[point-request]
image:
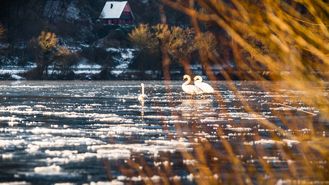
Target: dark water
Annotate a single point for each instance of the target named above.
(84, 132)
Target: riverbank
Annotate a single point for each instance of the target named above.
(97, 72)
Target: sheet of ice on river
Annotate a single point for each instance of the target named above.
(73, 122)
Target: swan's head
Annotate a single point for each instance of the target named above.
(197, 79)
(142, 85)
(186, 77)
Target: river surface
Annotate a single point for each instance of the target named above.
(87, 132)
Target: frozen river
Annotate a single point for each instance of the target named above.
(93, 132)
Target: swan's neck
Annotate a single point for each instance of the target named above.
(187, 81)
(142, 89)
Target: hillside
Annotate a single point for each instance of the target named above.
(76, 25)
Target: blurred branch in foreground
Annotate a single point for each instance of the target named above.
(289, 38)
(285, 38)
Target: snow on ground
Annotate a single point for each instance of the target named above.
(12, 71)
(15, 183)
(72, 12)
(87, 68)
(126, 56)
(17, 77)
(122, 63)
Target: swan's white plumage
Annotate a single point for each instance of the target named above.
(142, 96)
(206, 88)
(190, 89)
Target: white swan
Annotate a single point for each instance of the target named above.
(206, 88)
(190, 89)
(142, 96)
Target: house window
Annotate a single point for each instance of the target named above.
(115, 21)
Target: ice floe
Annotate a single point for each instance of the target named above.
(113, 182)
(7, 156)
(5, 143)
(268, 142)
(48, 170)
